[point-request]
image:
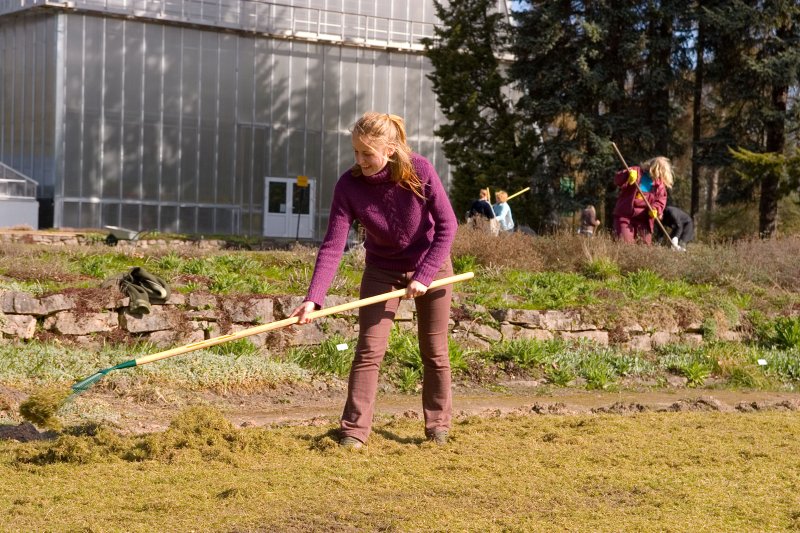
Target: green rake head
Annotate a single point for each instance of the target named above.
(42, 407)
(83, 385)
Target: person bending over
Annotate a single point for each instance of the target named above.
(589, 221)
(632, 218)
(680, 226)
(481, 206)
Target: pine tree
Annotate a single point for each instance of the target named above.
(756, 63)
(483, 137)
(780, 169)
(595, 72)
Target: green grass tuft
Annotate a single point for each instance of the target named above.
(326, 358)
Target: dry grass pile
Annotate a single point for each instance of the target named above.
(198, 433)
(528, 472)
(41, 408)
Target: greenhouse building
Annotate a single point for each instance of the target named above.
(215, 117)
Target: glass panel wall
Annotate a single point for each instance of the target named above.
(174, 127)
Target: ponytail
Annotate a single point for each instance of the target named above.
(390, 130)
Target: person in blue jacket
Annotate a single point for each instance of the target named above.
(502, 211)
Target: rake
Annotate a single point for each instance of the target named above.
(84, 384)
(647, 203)
(526, 189)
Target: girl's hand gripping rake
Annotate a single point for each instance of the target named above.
(83, 385)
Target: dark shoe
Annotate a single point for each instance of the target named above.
(439, 436)
(351, 443)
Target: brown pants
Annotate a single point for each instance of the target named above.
(629, 229)
(375, 323)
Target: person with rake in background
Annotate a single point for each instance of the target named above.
(641, 186)
(502, 211)
(481, 214)
(399, 200)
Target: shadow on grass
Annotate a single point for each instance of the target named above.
(388, 435)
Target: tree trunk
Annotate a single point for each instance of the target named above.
(776, 140)
(776, 137)
(712, 189)
(659, 63)
(696, 115)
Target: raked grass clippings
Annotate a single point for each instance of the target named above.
(686, 471)
(41, 408)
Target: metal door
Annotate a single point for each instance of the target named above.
(289, 209)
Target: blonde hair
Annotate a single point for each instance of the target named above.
(501, 196)
(484, 194)
(389, 130)
(660, 169)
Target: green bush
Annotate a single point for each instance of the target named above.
(693, 363)
(787, 332)
(102, 266)
(407, 379)
(784, 364)
(560, 375)
(403, 349)
(325, 358)
(598, 372)
(601, 268)
(627, 364)
(749, 377)
(551, 290)
(236, 348)
(781, 332)
(458, 357)
(695, 372)
(464, 263)
(526, 353)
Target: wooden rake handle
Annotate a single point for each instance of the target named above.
(199, 345)
(639, 190)
(526, 189)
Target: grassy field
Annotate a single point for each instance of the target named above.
(649, 471)
(666, 471)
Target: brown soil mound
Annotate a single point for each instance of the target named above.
(25, 432)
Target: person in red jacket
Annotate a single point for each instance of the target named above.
(632, 218)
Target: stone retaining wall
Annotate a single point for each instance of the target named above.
(75, 238)
(94, 315)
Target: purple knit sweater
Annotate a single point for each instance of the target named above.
(404, 233)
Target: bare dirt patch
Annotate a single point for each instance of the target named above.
(321, 404)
